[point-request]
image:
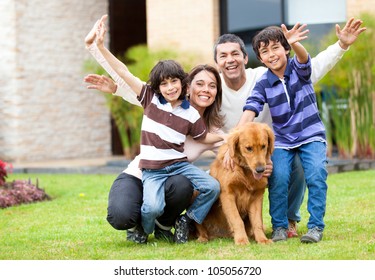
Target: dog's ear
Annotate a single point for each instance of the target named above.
(271, 140)
(233, 142)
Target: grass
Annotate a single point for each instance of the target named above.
(72, 226)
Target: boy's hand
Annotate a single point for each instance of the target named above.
(296, 34)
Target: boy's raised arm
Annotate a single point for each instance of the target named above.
(294, 36)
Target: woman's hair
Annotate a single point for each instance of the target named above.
(166, 69)
(230, 38)
(211, 115)
(271, 33)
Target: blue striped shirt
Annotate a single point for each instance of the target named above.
(293, 106)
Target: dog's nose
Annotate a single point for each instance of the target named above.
(260, 169)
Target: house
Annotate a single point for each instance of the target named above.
(45, 109)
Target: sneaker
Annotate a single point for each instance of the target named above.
(137, 235)
(181, 233)
(292, 229)
(163, 234)
(313, 235)
(279, 234)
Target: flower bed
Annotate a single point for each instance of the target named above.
(18, 191)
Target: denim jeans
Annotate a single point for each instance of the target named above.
(153, 192)
(297, 188)
(313, 159)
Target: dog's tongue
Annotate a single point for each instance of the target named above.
(257, 176)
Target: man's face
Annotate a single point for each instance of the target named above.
(230, 60)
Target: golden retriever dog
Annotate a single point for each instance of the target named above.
(238, 211)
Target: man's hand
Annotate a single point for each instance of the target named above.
(228, 161)
(101, 83)
(269, 167)
(349, 34)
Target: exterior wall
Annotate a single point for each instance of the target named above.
(356, 7)
(46, 113)
(45, 109)
(187, 25)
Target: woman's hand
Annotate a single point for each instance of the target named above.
(90, 37)
(100, 31)
(101, 82)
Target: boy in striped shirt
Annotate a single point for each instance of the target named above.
(168, 118)
(287, 89)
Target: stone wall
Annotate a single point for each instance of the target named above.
(46, 112)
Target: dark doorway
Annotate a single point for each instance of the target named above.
(127, 24)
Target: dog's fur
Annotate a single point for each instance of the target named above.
(238, 211)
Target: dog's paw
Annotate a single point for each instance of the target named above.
(264, 241)
(202, 239)
(241, 241)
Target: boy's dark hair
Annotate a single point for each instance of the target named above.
(230, 38)
(270, 33)
(166, 69)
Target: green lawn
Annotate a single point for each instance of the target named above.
(72, 226)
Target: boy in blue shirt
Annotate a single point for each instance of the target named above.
(288, 90)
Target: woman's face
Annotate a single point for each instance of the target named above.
(203, 90)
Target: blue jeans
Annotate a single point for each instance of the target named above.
(153, 192)
(296, 192)
(313, 159)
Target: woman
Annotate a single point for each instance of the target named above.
(125, 197)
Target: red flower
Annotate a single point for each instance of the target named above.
(4, 169)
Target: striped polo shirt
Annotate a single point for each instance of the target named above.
(164, 130)
(293, 106)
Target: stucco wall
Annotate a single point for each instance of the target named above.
(46, 111)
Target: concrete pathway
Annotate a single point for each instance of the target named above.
(116, 164)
